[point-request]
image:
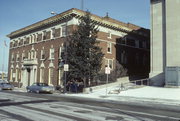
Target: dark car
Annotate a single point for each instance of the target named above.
(40, 87)
(6, 86)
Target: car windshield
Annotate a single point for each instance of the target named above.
(6, 83)
(43, 84)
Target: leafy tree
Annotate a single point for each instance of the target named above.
(84, 54)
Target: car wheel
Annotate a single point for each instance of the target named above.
(28, 90)
(37, 91)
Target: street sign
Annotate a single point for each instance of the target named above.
(66, 67)
(107, 70)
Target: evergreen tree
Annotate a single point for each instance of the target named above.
(84, 54)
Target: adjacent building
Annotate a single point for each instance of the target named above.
(165, 28)
(36, 50)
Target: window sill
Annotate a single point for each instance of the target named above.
(51, 59)
(109, 52)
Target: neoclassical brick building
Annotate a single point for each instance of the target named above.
(35, 50)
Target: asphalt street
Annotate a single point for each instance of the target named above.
(22, 106)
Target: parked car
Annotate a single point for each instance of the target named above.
(6, 86)
(40, 87)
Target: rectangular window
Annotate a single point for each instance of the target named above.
(43, 54)
(44, 35)
(23, 56)
(137, 43)
(51, 53)
(34, 38)
(17, 74)
(29, 55)
(32, 55)
(57, 32)
(17, 58)
(48, 35)
(11, 75)
(144, 44)
(109, 47)
(39, 37)
(61, 52)
(50, 75)
(123, 40)
(21, 42)
(12, 57)
(42, 75)
(63, 30)
(52, 33)
(109, 63)
(27, 40)
(123, 57)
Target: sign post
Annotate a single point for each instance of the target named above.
(107, 71)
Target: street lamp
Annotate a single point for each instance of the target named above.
(53, 13)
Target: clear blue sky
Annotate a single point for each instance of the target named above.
(16, 14)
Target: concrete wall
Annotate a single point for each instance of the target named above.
(118, 82)
(173, 32)
(165, 39)
(157, 42)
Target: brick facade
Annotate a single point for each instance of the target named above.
(27, 64)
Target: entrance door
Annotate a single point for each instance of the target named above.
(29, 75)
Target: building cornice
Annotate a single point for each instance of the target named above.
(104, 21)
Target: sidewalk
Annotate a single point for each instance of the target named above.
(22, 89)
(146, 94)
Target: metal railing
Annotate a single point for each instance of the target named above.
(134, 84)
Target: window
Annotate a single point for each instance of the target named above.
(12, 57)
(23, 56)
(123, 40)
(137, 43)
(17, 74)
(52, 33)
(42, 75)
(51, 53)
(29, 55)
(109, 63)
(57, 32)
(35, 39)
(24, 40)
(17, 57)
(63, 30)
(144, 44)
(43, 54)
(109, 35)
(48, 35)
(27, 40)
(61, 52)
(44, 35)
(31, 39)
(50, 75)
(32, 54)
(123, 57)
(11, 75)
(39, 37)
(109, 47)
